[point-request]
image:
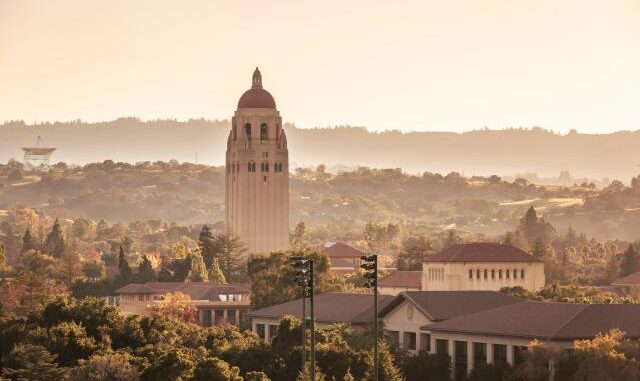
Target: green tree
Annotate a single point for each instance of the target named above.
(630, 261)
(209, 246)
(387, 369)
(197, 271)
(55, 244)
(215, 273)
(214, 369)
(174, 365)
(300, 237)
(112, 366)
(69, 267)
(94, 270)
(32, 362)
(28, 241)
(145, 271)
(414, 252)
(232, 256)
(123, 267)
(69, 341)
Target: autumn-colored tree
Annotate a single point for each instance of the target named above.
(215, 273)
(198, 271)
(176, 306)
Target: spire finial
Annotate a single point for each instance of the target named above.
(257, 78)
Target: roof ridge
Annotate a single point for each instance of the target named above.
(584, 307)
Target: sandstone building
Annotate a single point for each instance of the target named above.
(257, 173)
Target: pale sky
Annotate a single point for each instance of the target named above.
(409, 65)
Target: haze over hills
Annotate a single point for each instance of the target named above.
(480, 152)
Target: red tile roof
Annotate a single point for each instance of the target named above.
(196, 290)
(330, 307)
(546, 321)
(442, 305)
(340, 250)
(410, 279)
(482, 252)
(629, 280)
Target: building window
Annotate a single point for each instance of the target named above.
(273, 331)
(260, 331)
(493, 274)
(442, 347)
(479, 353)
(519, 354)
(393, 337)
(485, 274)
(499, 354)
(522, 274)
(206, 318)
(460, 364)
(218, 317)
(478, 274)
(470, 274)
(499, 274)
(409, 341)
(507, 271)
(265, 166)
(425, 342)
(247, 130)
(515, 274)
(231, 316)
(264, 132)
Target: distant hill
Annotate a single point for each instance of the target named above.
(482, 152)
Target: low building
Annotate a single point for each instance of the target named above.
(502, 334)
(627, 284)
(345, 259)
(330, 308)
(215, 303)
(400, 281)
(482, 266)
(404, 316)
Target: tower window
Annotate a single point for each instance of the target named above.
(264, 132)
(247, 130)
(265, 167)
(251, 166)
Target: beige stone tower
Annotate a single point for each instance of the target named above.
(257, 173)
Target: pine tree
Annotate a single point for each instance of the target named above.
(630, 261)
(197, 271)
(215, 273)
(32, 362)
(123, 266)
(208, 245)
(55, 242)
(231, 256)
(145, 271)
(28, 242)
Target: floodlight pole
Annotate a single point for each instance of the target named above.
(313, 322)
(375, 320)
(304, 328)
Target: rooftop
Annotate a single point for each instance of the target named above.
(330, 307)
(629, 280)
(546, 321)
(340, 250)
(411, 279)
(195, 290)
(442, 305)
(256, 96)
(482, 252)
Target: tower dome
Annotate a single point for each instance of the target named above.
(256, 96)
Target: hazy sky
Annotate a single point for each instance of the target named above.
(411, 65)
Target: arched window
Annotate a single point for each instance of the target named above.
(249, 167)
(506, 272)
(515, 274)
(478, 274)
(265, 166)
(247, 130)
(264, 132)
(522, 274)
(499, 274)
(485, 274)
(493, 274)
(253, 167)
(470, 274)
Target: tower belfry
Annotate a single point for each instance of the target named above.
(257, 172)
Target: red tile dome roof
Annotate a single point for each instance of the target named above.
(256, 96)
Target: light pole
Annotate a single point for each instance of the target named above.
(303, 276)
(370, 273)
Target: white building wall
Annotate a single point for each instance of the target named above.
(455, 276)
